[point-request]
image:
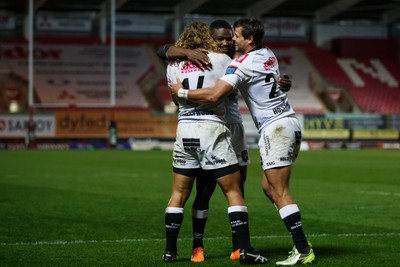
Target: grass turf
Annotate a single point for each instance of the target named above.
(106, 208)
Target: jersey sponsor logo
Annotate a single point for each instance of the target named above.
(198, 113)
(189, 67)
(230, 70)
(281, 108)
(191, 144)
(270, 63)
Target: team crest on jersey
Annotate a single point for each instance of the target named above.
(270, 63)
(230, 70)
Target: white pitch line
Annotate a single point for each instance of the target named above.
(133, 240)
(381, 193)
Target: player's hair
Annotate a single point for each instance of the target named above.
(252, 27)
(197, 35)
(220, 23)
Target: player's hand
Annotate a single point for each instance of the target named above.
(285, 83)
(199, 57)
(174, 87)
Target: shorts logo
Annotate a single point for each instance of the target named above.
(267, 144)
(215, 161)
(230, 70)
(180, 161)
(288, 158)
(191, 144)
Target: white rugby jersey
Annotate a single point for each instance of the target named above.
(255, 74)
(193, 77)
(232, 114)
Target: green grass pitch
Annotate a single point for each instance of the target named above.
(106, 208)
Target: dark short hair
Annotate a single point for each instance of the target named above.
(220, 23)
(252, 27)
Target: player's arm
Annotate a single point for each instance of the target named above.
(197, 56)
(174, 99)
(202, 95)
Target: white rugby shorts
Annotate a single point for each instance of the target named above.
(280, 142)
(203, 144)
(239, 143)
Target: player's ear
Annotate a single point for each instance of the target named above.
(250, 39)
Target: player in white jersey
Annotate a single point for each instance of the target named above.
(255, 74)
(222, 33)
(203, 144)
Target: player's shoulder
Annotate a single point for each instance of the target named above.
(219, 60)
(268, 50)
(218, 56)
(271, 62)
(244, 61)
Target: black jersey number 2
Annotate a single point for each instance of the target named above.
(270, 78)
(185, 84)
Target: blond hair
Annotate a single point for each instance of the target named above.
(196, 35)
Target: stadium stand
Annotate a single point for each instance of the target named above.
(334, 77)
(370, 78)
(302, 97)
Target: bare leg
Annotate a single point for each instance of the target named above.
(275, 184)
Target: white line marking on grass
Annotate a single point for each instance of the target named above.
(381, 193)
(133, 240)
